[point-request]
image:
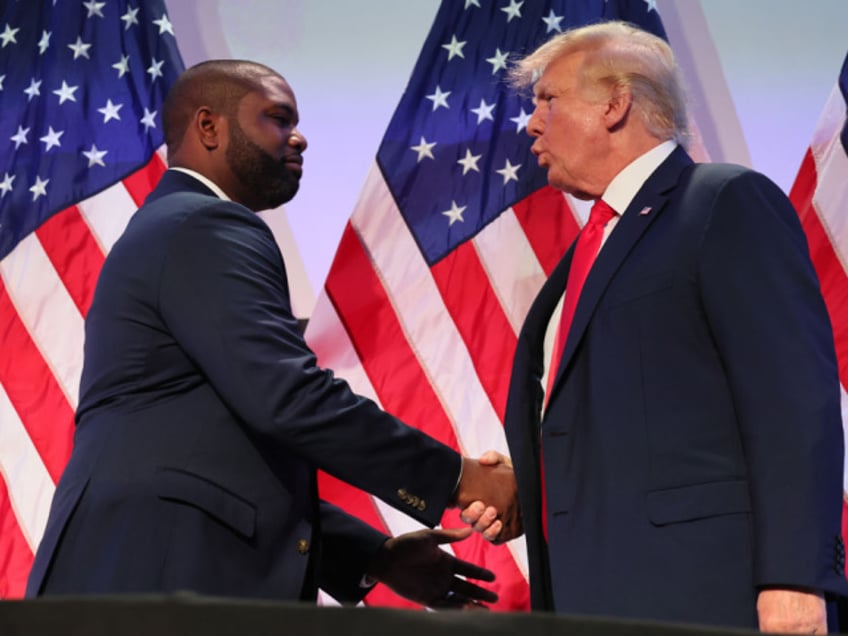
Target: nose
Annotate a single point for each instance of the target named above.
(535, 127)
(297, 140)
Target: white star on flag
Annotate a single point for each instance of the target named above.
(164, 25)
(155, 69)
(129, 18)
(8, 35)
(148, 120)
(20, 137)
(483, 111)
(122, 65)
(455, 213)
(110, 111)
(6, 184)
(521, 120)
(498, 61)
(39, 188)
(509, 172)
(469, 162)
(552, 22)
(80, 48)
(95, 156)
(51, 138)
(469, 3)
(66, 93)
(424, 149)
(439, 98)
(454, 48)
(44, 42)
(33, 90)
(94, 8)
(513, 10)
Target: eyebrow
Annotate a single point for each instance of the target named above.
(541, 89)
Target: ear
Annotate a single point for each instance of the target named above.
(618, 107)
(210, 127)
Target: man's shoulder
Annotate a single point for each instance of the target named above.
(713, 179)
(733, 180)
(176, 206)
(719, 171)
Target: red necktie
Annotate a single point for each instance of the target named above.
(585, 251)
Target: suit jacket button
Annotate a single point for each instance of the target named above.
(422, 505)
(402, 494)
(303, 546)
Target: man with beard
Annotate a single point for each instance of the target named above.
(203, 415)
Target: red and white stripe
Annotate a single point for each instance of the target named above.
(46, 286)
(820, 195)
(434, 345)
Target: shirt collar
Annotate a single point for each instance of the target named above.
(205, 181)
(623, 188)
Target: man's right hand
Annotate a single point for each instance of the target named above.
(488, 496)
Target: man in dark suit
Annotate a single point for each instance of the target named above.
(681, 458)
(203, 416)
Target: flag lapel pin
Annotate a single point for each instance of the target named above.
(645, 211)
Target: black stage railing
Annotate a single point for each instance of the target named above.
(187, 615)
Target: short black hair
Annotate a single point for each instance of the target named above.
(218, 84)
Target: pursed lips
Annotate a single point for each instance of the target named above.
(539, 155)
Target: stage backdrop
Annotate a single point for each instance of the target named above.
(759, 76)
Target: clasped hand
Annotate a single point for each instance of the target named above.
(488, 497)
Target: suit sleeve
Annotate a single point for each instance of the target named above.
(762, 301)
(348, 546)
(224, 296)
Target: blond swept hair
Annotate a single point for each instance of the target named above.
(619, 54)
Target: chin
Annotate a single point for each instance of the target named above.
(270, 200)
(279, 192)
(568, 188)
(559, 184)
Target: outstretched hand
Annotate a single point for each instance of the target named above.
(483, 514)
(414, 566)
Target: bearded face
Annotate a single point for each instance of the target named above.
(267, 181)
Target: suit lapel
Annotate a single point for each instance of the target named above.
(645, 208)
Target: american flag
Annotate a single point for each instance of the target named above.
(820, 195)
(453, 235)
(81, 90)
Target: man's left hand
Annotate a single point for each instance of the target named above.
(785, 611)
(414, 566)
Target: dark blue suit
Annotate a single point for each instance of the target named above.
(202, 419)
(692, 444)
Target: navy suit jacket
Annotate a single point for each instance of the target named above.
(692, 444)
(202, 420)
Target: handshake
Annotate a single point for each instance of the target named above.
(488, 496)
